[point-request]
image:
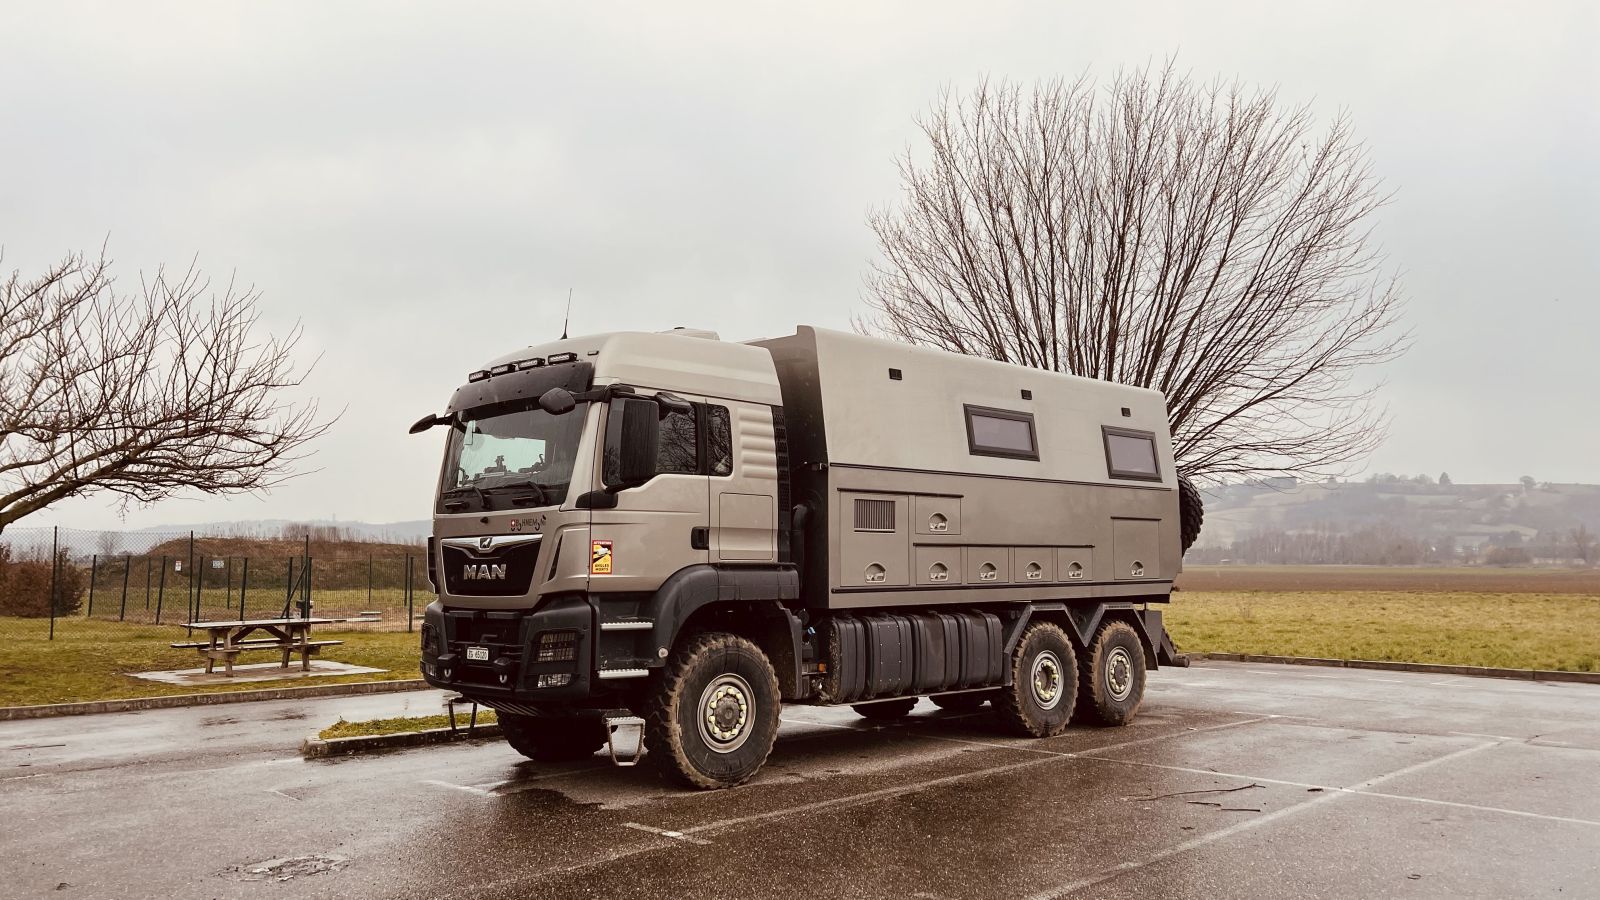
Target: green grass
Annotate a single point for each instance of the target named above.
(1510, 630)
(91, 660)
(343, 729)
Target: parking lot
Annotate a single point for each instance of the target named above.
(1236, 780)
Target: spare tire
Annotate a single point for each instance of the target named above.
(1191, 511)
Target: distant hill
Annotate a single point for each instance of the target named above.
(1445, 520)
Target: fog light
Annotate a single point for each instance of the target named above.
(557, 646)
(562, 680)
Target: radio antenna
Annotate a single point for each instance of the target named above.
(568, 317)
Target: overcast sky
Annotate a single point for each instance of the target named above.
(421, 185)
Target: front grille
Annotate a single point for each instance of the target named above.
(506, 572)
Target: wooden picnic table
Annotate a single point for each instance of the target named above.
(226, 640)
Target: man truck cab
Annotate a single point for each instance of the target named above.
(674, 533)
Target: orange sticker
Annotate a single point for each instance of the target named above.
(600, 558)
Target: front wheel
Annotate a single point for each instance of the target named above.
(712, 714)
(1044, 683)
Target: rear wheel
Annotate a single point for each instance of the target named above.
(1044, 683)
(1111, 679)
(712, 714)
(552, 738)
(888, 709)
(960, 703)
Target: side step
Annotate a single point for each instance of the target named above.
(625, 739)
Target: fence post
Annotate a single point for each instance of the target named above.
(161, 591)
(127, 569)
(190, 598)
(94, 569)
(147, 582)
(305, 603)
(244, 579)
(369, 581)
(410, 568)
(55, 567)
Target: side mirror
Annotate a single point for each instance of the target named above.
(557, 401)
(638, 441)
(426, 422)
(671, 403)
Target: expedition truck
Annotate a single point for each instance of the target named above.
(655, 540)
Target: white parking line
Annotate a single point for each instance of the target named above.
(1123, 868)
(675, 835)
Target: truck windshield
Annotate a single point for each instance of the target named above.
(509, 456)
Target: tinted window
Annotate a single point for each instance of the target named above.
(1131, 454)
(719, 440)
(679, 453)
(1000, 432)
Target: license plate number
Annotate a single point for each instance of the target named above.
(481, 654)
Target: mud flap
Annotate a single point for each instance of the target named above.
(1166, 651)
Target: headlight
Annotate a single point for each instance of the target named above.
(557, 646)
(430, 637)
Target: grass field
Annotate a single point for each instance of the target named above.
(1515, 618)
(90, 660)
(1513, 630)
(343, 729)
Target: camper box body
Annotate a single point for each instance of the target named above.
(904, 504)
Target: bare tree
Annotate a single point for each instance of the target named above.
(1195, 238)
(141, 395)
(1584, 544)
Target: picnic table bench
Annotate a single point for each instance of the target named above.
(226, 640)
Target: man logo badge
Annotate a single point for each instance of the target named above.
(484, 572)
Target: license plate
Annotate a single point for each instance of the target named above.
(481, 654)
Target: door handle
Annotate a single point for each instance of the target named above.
(700, 538)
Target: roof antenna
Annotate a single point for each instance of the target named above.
(568, 317)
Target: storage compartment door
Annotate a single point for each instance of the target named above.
(1033, 565)
(1073, 564)
(874, 540)
(1136, 549)
(938, 565)
(936, 515)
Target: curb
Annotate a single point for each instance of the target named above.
(314, 747)
(1430, 668)
(93, 707)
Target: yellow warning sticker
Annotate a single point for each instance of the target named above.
(600, 558)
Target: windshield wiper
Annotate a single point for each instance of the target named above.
(483, 501)
(524, 483)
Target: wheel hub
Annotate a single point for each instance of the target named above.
(724, 713)
(1119, 674)
(1046, 680)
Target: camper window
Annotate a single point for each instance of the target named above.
(1131, 454)
(1000, 432)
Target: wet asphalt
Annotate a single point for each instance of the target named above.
(1235, 781)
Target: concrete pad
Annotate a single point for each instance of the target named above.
(271, 671)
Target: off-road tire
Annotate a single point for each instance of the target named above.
(1111, 676)
(1191, 512)
(681, 746)
(888, 709)
(1044, 683)
(960, 703)
(552, 738)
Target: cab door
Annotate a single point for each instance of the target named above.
(658, 527)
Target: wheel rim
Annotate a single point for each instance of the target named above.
(726, 709)
(1119, 674)
(1046, 679)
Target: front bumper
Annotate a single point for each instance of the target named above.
(494, 654)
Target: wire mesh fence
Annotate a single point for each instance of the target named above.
(54, 578)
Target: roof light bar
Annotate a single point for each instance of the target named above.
(480, 375)
(563, 358)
